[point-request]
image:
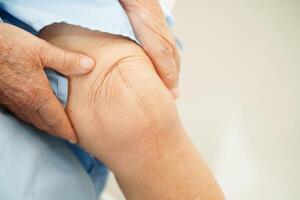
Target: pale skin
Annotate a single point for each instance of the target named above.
(124, 115)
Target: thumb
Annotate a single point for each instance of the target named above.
(52, 117)
(65, 62)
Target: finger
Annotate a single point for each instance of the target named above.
(30, 117)
(65, 62)
(165, 59)
(52, 113)
(153, 33)
(35, 119)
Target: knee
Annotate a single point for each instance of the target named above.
(122, 108)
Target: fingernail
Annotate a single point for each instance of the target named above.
(72, 141)
(175, 92)
(86, 63)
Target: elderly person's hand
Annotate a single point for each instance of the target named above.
(24, 88)
(152, 31)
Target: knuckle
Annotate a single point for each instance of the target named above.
(51, 119)
(53, 122)
(170, 75)
(47, 53)
(34, 98)
(64, 58)
(167, 45)
(168, 50)
(42, 52)
(22, 98)
(165, 50)
(31, 98)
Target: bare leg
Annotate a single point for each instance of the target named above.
(124, 115)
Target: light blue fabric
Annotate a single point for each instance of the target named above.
(92, 173)
(103, 15)
(36, 166)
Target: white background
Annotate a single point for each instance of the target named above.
(240, 93)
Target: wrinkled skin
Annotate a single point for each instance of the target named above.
(122, 98)
(124, 115)
(151, 29)
(24, 88)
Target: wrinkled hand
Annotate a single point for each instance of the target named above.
(152, 31)
(24, 88)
